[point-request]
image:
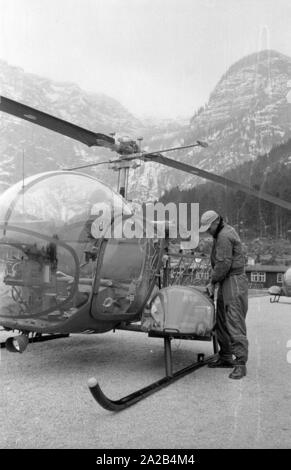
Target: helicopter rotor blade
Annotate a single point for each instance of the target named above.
(198, 143)
(139, 155)
(56, 124)
(217, 179)
(91, 138)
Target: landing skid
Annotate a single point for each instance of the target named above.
(129, 400)
(39, 338)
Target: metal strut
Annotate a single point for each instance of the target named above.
(125, 402)
(276, 298)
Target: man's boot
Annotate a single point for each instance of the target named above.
(238, 372)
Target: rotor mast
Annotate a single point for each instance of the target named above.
(122, 182)
(123, 167)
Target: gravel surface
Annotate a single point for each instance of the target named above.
(45, 401)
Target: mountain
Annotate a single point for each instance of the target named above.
(46, 150)
(248, 112)
(246, 115)
(250, 216)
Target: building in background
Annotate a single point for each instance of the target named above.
(262, 276)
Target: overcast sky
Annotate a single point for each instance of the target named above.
(157, 57)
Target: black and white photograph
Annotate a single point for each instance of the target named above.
(145, 227)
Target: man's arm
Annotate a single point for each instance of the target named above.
(223, 259)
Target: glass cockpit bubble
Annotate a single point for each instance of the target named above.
(46, 241)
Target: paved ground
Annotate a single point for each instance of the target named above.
(45, 402)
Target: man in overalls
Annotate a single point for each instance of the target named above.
(227, 261)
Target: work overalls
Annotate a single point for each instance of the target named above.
(232, 298)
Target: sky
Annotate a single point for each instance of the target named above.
(159, 58)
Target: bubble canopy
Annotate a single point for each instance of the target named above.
(49, 252)
(50, 201)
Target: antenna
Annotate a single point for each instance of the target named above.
(23, 176)
(22, 168)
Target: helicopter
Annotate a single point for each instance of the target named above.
(276, 292)
(61, 274)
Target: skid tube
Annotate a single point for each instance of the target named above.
(39, 338)
(129, 400)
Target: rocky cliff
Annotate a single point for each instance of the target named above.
(247, 114)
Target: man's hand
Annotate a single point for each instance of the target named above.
(210, 290)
